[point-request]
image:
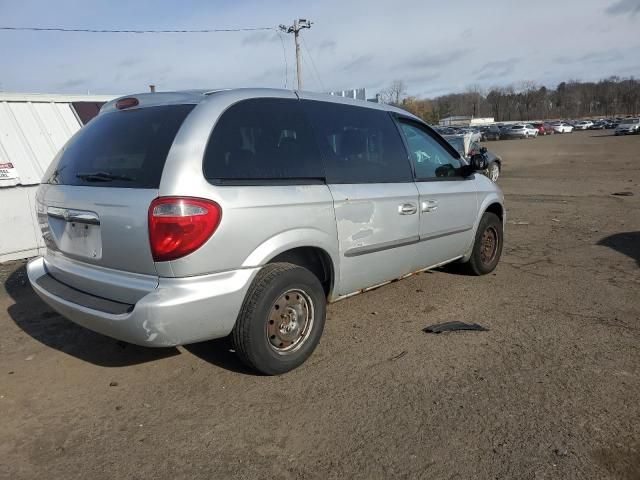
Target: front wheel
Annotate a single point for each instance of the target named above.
(281, 320)
(487, 247)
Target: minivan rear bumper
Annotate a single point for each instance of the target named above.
(179, 311)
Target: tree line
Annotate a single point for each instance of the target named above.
(527, 100)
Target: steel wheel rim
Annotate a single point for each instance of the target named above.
(290, 321)
(494, 172)
(489, 245)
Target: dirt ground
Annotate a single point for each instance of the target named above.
(552, 390)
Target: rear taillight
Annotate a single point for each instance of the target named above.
(179, 226)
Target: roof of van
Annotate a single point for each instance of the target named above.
(197, 96)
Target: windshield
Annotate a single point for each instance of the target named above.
(630, 121)
(120, 149)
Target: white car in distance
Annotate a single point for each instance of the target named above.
(531, 130)
(584, 125)
(562, 127)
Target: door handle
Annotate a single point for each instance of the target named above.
(429, 206)
(407, 209)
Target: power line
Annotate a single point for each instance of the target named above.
(316, 79)
(313, 64)
(91, 30)
(284, 56)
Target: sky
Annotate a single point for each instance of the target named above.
(435, 47)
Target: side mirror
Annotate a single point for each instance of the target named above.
(483, 149)
(478, 161)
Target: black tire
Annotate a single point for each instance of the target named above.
(249, 335)
(476, 265)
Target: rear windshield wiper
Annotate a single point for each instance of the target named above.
(103, 177)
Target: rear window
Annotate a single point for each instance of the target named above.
(263, 140)
(120, 149)
(358, 144)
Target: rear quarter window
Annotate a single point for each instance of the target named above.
(263, 141)
(125, 148)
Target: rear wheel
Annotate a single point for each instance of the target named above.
(487, 247)
(281, 320)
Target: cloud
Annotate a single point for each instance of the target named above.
(440, 59)
(260, 37)
(498, 68)
(73, 83)
(624, 7)
(357, 63)
(270, 75)
(423, 78)
(346, 45)
(327, 45)
(592, 57)
(130, 62)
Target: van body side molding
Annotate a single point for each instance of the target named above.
(403, 242)
(378, 247)
(445, 233)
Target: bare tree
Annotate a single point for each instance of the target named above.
(572, 99)
(394, 93)
(476, 95)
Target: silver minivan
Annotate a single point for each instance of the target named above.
(173, 218)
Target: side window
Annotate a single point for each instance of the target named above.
(263, 139)
(430, 159)
(358, 144)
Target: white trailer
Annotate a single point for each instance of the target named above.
(33, 127)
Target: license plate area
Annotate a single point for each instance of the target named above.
(76, 232)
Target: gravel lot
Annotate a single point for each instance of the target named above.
(550, 391)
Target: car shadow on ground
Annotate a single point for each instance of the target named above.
(219, 352)
(35, 318)
(627, 243)
(40, 322)
(454, 268)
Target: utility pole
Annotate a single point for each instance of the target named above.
(298, 25)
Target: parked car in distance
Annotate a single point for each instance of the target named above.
(562, 127)
(628, 126)
(504, 130)
(149, 216)
(533, 131)
(475, 133)
(467, 148)
(491, 132)
(583, 125)
(521, 131)
(539, 127)
(544, 128)
(600, 125)
(494, 162)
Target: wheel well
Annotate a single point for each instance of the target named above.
(497, 209)
(313, 259)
